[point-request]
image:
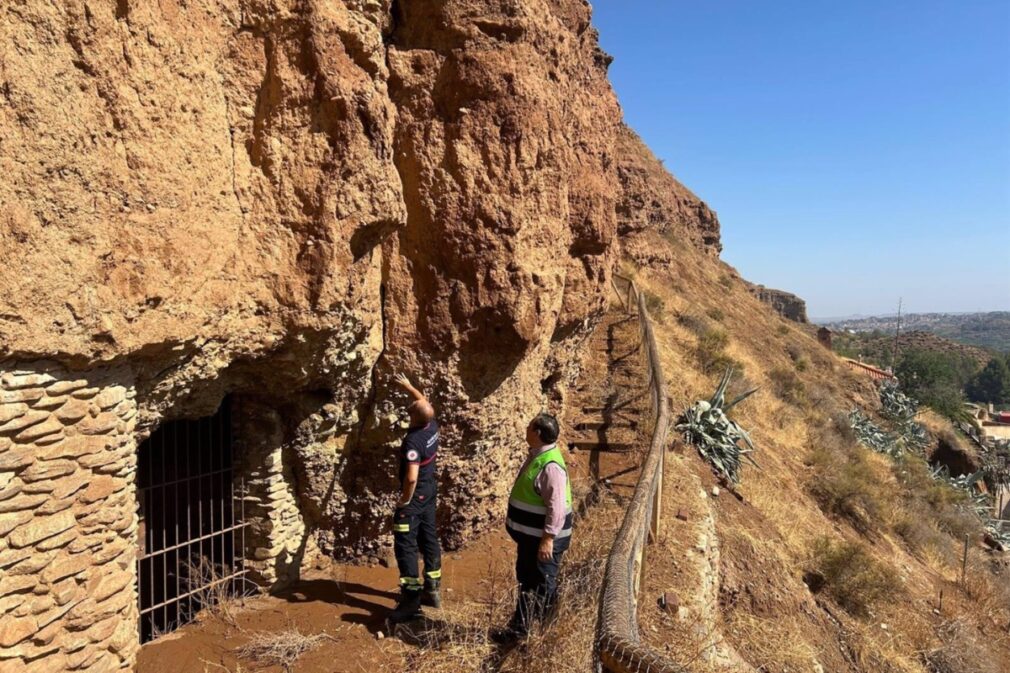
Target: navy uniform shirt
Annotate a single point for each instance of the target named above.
(419, 448)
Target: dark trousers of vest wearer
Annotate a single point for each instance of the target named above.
(414, 527)
(538, 582)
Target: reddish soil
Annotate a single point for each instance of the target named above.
(348, 603)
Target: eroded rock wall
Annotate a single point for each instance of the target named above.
(290, 200)
(653, 205)
(786, 304)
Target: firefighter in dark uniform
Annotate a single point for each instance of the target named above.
(414, 518)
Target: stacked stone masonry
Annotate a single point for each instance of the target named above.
(276, 539)
(67, 521)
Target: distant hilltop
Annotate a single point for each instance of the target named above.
(987, 330)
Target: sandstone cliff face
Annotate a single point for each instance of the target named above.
(654, 204)
(786, 304)
(263, 197)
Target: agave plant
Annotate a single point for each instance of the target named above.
(901, 410)
(873, 436)
(981, 504)
(719, 440)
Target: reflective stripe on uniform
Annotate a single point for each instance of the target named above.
(526, 507)
(534, 532)
(433, 574)
(401, 527)
(410, 582)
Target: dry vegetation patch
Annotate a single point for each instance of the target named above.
(280, 648)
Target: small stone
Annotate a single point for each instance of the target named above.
(39, 430)
(22, 422)
(110, 397)
(380, 635)
(12, 461)
(73, 411)
(13, 631)
(64, 387)
(10, 491)
(61, 540)
(53, 506)
(40, 528)
(9, 412)
(51, 469)
(13, 584)
(32, 565)
(18, 380)
(97, 426)
(29, 395)
(66, 567)
(49, 402)
(85, 393)
(682, 515)
(715, 491)
(22, 502)
(9, 557)
(883, 626)
(670, 602)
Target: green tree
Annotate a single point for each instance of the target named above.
(935, 379)
(992, 384)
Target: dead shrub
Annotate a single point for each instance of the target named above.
(788, 387)
(281, 648)
(962, 650)
(692, 322)
(711, 351)
(716, 314)
(851, 576)
(654, 304)
(947, 508)
(844, 483)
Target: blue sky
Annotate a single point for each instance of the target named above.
(855, 152)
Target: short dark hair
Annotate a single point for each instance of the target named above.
(546, 427)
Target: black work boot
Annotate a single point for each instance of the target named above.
(408, 607)
(432, 596)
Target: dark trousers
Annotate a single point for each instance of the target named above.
(538, 582)
(413, 528)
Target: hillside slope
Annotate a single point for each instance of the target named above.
(829, 557)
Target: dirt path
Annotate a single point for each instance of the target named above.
(347, 604)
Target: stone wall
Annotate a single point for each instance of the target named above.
(276, 538)
(67, 521)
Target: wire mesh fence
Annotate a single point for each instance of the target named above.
(618, 646)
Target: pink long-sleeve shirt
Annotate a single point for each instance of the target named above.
(550, 484)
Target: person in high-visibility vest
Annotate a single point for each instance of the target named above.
(414, 518)
(539, 520)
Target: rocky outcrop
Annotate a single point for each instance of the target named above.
(786, 304)
(653, 204)
(287, 201)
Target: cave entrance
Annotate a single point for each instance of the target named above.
(192, 521)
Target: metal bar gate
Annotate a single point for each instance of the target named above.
(192, 522)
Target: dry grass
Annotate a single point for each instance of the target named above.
(772, 642)
(844, 481)
(218, 597)
(460, 640)
(852, 576)
(961, 651)
(282, 648)
(788, 386)
(817, 482)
